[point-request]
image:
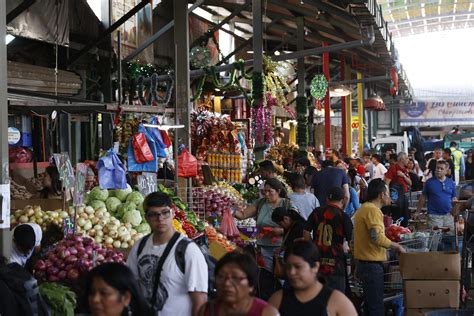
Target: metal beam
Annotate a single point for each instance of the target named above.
(258, 59)
(158, 34)
(19, 10)
(109, 30)
(5, 235)
(300, 47)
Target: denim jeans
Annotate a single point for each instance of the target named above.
(371, 275)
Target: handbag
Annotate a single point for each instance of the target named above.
(187, 165)
(141, 149)
(154, 305)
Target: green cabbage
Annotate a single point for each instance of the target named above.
(125, 208)
(143, 228)
(136, 197)
(122, 194)
(113, 204)
(98, 194)
(132, 217)
(96, 204)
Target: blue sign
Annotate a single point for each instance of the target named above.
(415, 109)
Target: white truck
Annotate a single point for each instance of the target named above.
(395, 143)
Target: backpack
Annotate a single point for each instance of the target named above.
(179, 256)
(18, 286)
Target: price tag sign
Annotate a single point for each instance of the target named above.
(14, 136)
(80, 184)
(68, 225)
(147, 183)
(66, 172)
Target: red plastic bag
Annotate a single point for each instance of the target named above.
(166, 138)
(393, 232)
(141, 149)
(187, 165)
(228, 227)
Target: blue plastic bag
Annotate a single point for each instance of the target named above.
(160, 147)
(150, 166)
(112, 173)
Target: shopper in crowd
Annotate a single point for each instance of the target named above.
(431, 164)
(301, 164)
(308, 177)
(354, 201)
(270, 234)
(370, 245)
(356, 164)
(305, 202)
(398, 179)
(459, 163)
(306, 295)
(439, 192)
(368, 166)
(379, 168)
(332, 155)
(236, 277)
(416, 183)
(387, 156)
(181, 289)
(328, 178)
(52, 186)
(447, 157)
(331, 227)
(267, 171)
(293, 225)
(26, 241)
(358, 183)
(111, 290)
(469, 174)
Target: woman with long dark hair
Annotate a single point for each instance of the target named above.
(52, 186)
(112, 290)
(307, 296)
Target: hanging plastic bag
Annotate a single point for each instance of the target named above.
(149, 166)
(141, 149)
(166, 138)
(160, 146)
(187, 165)
(112, 173)
(228, 227)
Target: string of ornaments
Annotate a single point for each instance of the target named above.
(318, 89)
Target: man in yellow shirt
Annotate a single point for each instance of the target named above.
(370, 246)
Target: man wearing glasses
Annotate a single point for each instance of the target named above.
(178, 292)
(440, 192)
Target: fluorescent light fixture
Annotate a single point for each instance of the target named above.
(9, 38)
(164, 127)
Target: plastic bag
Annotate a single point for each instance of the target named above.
(160, 146)
(187, 165)
(166, 138)
(141, 149)
(149, 166)
(228, 227)
(112, 173)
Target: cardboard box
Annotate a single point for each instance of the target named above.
(435, 265)
(418, 311)
(216, 250)
(431, 294)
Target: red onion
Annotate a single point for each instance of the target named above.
(62, 274)
(73, 274)
(52, 270)
(40, 265)
(80, 239)
(71, 259)
(73, 251)
(65, 253)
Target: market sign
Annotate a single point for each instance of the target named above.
(147, 183)
(66, 172)
(437, 114)
(355, 122)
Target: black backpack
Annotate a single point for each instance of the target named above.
(19, 293)
(179, 255)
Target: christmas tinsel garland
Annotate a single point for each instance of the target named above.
(302, 119)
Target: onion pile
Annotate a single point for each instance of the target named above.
(72, 257)
(34, 214)
(215, 200)
(106, 229)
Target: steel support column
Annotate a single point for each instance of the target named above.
(327, 101)
(183, 106)
(300, 47)
(342, 66)
(5, 236)
(257, 52)
(360, 111)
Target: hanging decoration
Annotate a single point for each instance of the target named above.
(200, 56)
(318, 89)
(262, 120)
(393, 82)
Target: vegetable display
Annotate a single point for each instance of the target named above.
(19, 192)
(72, 258)
(34, 214)
(214, 236)
(215, 200)
(61, 300)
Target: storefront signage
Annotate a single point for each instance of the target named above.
(14, 136)
(355, 122)
(437, 113)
